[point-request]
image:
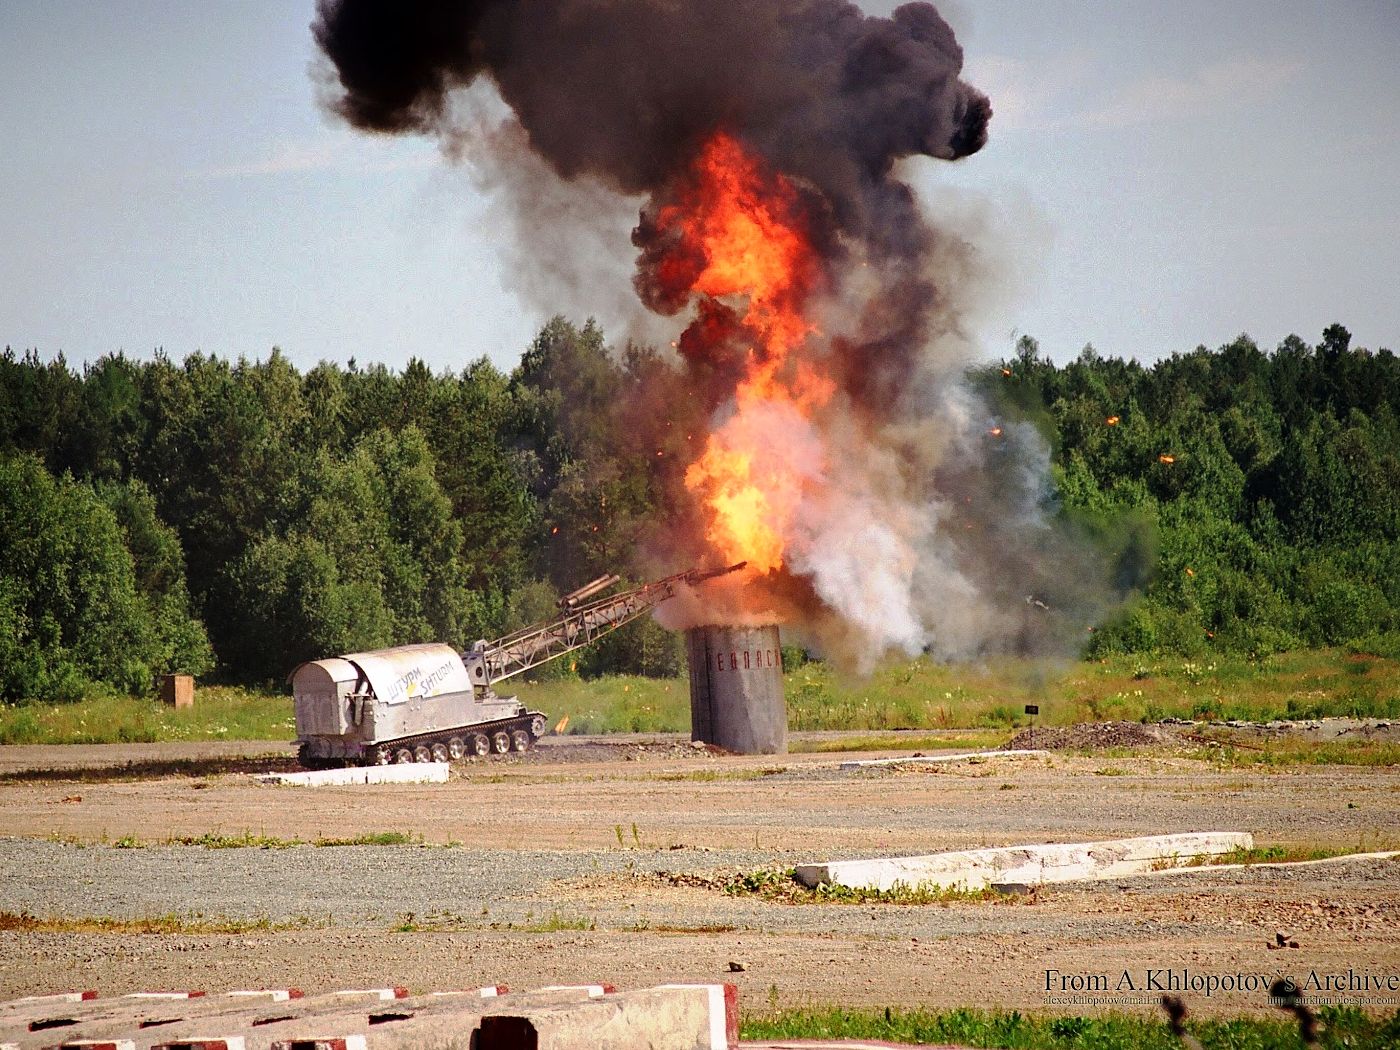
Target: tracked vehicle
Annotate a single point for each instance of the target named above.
(432, 702)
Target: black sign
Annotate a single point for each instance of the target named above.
(1032, 709)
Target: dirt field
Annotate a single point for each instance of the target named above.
(545, 870)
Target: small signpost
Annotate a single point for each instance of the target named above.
(1032, 710)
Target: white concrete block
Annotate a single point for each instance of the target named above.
(670, 1017)
(384, 994)
(1027, 865)
(61, 997)
(724, 1013)
(405, 773)
(490, 991)
(592, 991)
(928, 760)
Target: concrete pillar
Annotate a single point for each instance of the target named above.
(736, 688)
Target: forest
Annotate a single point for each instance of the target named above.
(233, 518)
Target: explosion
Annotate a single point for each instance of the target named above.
(844, 456)
(738, 235)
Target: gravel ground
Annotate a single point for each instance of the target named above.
(344, 885)
(375, 887)
(556, 880)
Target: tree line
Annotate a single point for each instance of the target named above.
(237, 517)
(1262, 488)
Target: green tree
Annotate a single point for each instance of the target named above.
(181, 644)
(365, 556)
(72, 612)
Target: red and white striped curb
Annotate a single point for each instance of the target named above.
(717, 1029)
(274, 995)
(724, 1013)
(377, 993)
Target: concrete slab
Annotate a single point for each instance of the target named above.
(406, 773)
(1017, 866)
(672, 1017)
(928, 760)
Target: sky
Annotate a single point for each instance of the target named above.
(1160, 175)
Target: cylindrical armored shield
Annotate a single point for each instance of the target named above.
(736, 689)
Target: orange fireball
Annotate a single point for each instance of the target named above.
(748, 227)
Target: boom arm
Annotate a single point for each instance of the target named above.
(580, 625)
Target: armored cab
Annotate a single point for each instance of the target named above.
(410, 703)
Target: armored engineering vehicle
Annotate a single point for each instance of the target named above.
(420, 703)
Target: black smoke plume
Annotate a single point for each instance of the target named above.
(625, 91)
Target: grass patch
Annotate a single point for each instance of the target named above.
(1341, 1027)
(451, 922)
(434, 922)
(23, 922)
(216, 840)
(195, 768)
(249, 840)
(903, 741)
(1224, 753)
(705, 776)
(614, 704)
(780, 885)
(923, 695)
(219, 713)
(1269, 855)
(1283, 854)
(917, 695)
(646, 926)
(376, 838)
(555, 923)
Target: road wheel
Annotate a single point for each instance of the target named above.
(380, 757)
(403, 756)
(305, 758)
(481, 744)
(520, 740)
(500, 742)
(440, 753)
(456, 748)
(422, 754)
